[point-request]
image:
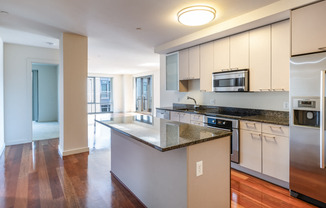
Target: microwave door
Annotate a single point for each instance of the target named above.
(230, 84)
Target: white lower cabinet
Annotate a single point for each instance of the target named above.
(265, 149)
(250, 150)
(181, 117)
(184, 117)
(276, 156)
(174, 116)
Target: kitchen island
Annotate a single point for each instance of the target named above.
(159, 161)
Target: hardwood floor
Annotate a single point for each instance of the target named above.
(33, 175)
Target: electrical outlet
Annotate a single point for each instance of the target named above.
(199, 168)
(285, 105)
(212, 101)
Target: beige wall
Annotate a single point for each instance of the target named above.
(253, 100)
(2, 141)
(18, 61)
(73, 94)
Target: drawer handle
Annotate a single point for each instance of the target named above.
(251, 125)
(264, 90)
(255, 136)
(271, 137)
(281, 89)
(322, 48)
(273, 128)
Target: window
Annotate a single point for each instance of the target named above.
(144, 94)
(99, 95)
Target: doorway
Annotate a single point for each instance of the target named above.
(144, 94)
(45, 102)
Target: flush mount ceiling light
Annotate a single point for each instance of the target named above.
(196, 15)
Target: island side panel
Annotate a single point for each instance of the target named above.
(158, 179)
(212, 189)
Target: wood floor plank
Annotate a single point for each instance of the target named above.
(33, 191)
(33, 175)
(69, 191)
(12, 167)
(22, 183)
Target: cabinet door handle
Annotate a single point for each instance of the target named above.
(271, 137)
(264, 89)
(322, 48)
(281, 89)
(236, 68)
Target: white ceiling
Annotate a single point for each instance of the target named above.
(115, 45)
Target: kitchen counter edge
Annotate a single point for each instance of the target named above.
(222, 133)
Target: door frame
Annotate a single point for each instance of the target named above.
(29, 90)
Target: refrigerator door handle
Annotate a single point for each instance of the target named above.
(322, 119)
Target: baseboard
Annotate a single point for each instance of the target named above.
(9, 143)
(2, 149)
(72, 151)
(126, 187)
(264, 177)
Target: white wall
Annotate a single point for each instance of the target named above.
(257, 100)
(2, 142)
(48, 92)
(18, 61)
(128, 93)
(73, 94)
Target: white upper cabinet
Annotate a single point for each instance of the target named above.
(189, 63)
(308, 29)
(194, 62)
(172, 69)
(206, 66)
(183, 64)
(281, 56)
(222, 54)
(239, 51)
(260, 59)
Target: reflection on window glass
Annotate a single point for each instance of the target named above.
(99, 94)
(144, 94)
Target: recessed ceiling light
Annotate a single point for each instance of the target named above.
(196, 15)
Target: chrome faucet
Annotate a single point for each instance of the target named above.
(190, 98)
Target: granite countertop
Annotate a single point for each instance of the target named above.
(272, 117)
(162, 134)
(284, 121)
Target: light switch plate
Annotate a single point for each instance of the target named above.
(199, 168)
(285, 105)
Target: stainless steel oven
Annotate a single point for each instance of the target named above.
(231, 81)
(229, 125)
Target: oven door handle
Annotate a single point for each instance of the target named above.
(236, 135)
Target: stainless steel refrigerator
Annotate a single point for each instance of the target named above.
(307, 128)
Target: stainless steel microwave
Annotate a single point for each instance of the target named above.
(231, 81)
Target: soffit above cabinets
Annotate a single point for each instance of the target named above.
(271, 13)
